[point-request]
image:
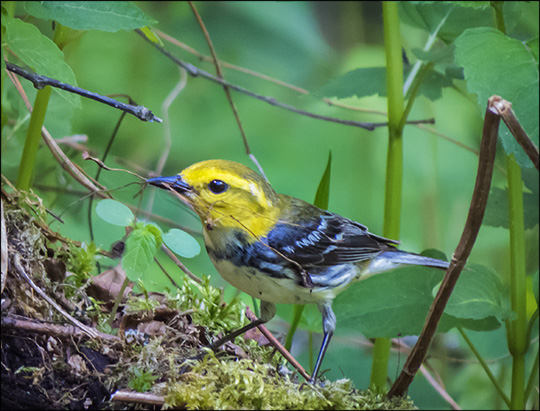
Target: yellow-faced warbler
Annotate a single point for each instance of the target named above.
(278, 248)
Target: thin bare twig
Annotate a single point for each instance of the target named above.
(40, 81)
(89, 331)
(505, 111)
(196, 72)
(286, 354)
(463, 250)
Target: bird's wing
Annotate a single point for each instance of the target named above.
(325, 239)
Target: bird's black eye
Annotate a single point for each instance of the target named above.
(218, 186)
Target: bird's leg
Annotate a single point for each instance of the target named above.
(329, 325)
(324, 346)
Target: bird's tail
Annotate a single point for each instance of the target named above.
(390, 260)
(402, 257)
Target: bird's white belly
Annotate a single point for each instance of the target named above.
(266, 288)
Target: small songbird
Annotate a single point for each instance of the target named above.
(278, 248)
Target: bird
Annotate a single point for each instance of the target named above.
(280, 249)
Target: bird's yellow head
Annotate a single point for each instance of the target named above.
(225, 194)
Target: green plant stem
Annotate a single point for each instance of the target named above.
(532, 377)
(394, 166)
(310, 342)
(119, 298)
(485, 367)
(33, 136)
(517, 342)
(297, 315)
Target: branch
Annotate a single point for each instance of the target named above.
(505, 111)
(463, 250)
(196, 72)
(40, 82)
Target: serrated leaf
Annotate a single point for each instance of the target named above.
(496, 64)
(141, 247)
(323, 191)
(361, 82)
(108, 16)
(114, 212)
(181, 243)
(41, 54)
(429, 16)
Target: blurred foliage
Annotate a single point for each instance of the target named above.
(310, 45)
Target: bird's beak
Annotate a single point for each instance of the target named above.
(175, 183)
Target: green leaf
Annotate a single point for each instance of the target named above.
(496, 64)
(323, 191)
(114, 212)
(477, 295)
(397, 302)
(432, 85)
(141, 247)
(361, 82)
(533, 45)
(108, 16)
(429, 15)
(441, 53)
(41, 54)
(181, 243)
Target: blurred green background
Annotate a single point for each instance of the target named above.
(305, 44)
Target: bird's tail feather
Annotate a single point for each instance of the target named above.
(401, 257)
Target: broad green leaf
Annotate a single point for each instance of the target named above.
(429, 16)
(141, 247)
(323, 191)
(396, 303)
(181, 243)
(388, 304)
(496, 64)
(114, 212)
(41, 54)
(108, 16)
(477, 295)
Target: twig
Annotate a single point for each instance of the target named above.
(89, 331)
(274, 341)
(505, 111)
(220, 75)
(74, 170)
(138, 397)
(463, 250)
(272, 79)
(40, 82)
(61, 331)
(180, 265)
(196, 72)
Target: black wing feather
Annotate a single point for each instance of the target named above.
(322, 238)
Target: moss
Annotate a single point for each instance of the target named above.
(244, 384)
